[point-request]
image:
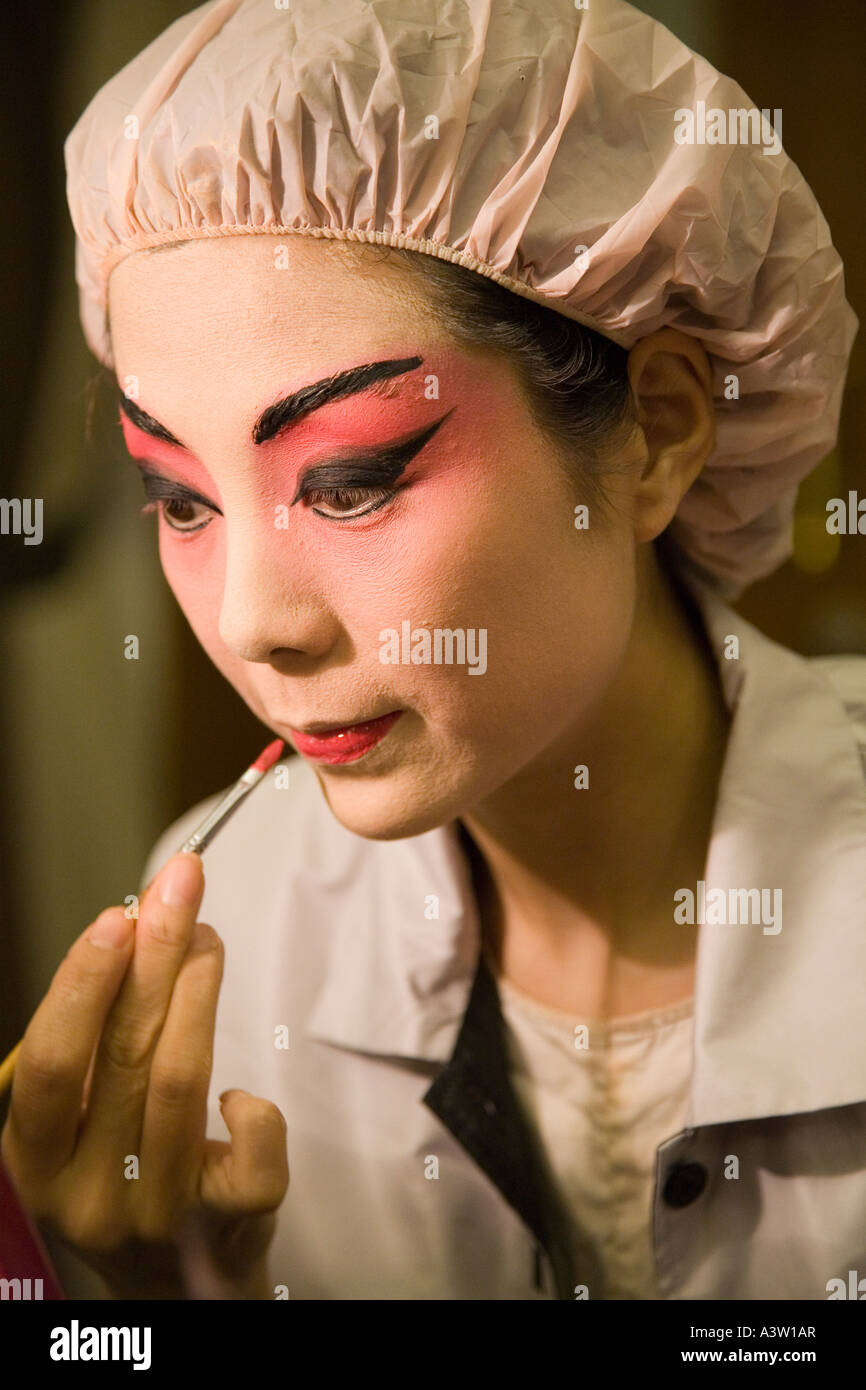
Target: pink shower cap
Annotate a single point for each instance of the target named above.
(584, 158)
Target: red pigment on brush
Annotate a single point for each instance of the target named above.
(269, 755)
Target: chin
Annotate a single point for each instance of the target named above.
(383, 811)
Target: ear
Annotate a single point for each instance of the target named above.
(671, 380)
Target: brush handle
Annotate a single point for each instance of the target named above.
(7, 1069)
(230, 802)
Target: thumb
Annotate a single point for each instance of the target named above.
(250, 1175)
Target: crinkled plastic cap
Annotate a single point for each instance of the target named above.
(539, 144)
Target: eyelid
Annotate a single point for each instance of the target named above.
(160, 489)
(376, 467)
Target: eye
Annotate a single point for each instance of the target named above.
(356, 487)
(181, 508)
(348, 502)
(186, 514)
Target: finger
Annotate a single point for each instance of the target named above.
(253, 1175)
(175, 1113)
(60, 1040)
(120, 1073)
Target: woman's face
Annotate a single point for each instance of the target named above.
(298, 582)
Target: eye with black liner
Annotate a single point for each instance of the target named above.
(375, 471)
(162, 490)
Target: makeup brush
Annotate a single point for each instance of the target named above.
(232, 799)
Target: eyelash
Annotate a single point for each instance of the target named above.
(385, 495)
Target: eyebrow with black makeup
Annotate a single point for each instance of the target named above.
(277, 417)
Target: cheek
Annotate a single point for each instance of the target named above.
(195, 574)
(490, 543)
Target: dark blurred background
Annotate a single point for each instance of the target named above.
(98, 753)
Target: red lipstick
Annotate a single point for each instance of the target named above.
(345, 745)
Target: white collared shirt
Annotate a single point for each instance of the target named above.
(330, 943)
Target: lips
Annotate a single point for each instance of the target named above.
(346, 744)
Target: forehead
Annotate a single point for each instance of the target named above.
(256, 280)
(214, 323)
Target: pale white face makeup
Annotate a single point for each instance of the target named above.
(289, 594)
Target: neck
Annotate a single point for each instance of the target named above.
(556, 863)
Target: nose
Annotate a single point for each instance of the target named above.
(271, 603)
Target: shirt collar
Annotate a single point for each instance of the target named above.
(778, 1017)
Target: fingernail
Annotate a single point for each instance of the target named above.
(179, 881)
(109, 930)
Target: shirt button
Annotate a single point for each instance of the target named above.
(685, 1183)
